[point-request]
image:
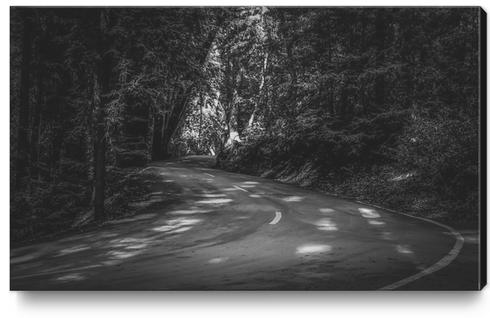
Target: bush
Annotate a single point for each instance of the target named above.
(425, 165)
(131, 158)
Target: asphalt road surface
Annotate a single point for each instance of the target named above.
(209, 229)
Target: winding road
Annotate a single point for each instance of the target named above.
(204, 228)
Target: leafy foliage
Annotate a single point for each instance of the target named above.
(379, 104)
(376, 103)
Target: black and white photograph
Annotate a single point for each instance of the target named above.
(247, 148)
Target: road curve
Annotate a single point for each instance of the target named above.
(209, 229)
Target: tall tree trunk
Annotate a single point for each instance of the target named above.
(260, 92)
(173, 120)
(156, 149)
(104, 70)
(201, 101)
(39, 103)
(380, 36)
(36, 129)
(176, 115)
(343, 101)
(233, 134)
(99, 168)
(22, 164)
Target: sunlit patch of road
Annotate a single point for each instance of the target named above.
(231, 189)
(214, 201)
(73, 249)
(376, 222)
(326, 210)
(369, 213)
(71, 277)
(189, 212)
(217, 260)
(174, 224)
(313, 248)
(404, 249)
(326, 224)
(294, 198)
(122, 254)
(133, 219)
(212, 195)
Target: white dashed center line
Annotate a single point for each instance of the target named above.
(209, 174)
(277, 218)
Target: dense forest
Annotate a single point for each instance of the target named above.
(379, 104)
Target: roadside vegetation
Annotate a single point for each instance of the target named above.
(377, 104)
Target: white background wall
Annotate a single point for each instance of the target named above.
(212, 304)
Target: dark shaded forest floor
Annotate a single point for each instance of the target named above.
(131, 192)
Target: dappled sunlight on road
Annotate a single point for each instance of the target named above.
(188, 212)
(174, 224)
(214, 201)
(132, 219)
(73, 249)
(313, 248)
(182, 229)
(229, 189)
(293, 198)
(146, 203)
(122, 254)
(217, 260)
(369, 213)
(248, 184)
(71, 277)
(129, 243)
(212, 195)
(403, 249)
(25, 258)
(326, 224)
(107, 235)
(376, 222)
(206, 232)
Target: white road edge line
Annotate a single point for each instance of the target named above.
(277, 218)
(237, 187)
(209, 174)
(443, 262)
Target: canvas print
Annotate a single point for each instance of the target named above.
(247, 148)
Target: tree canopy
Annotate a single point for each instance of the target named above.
(379, 103)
